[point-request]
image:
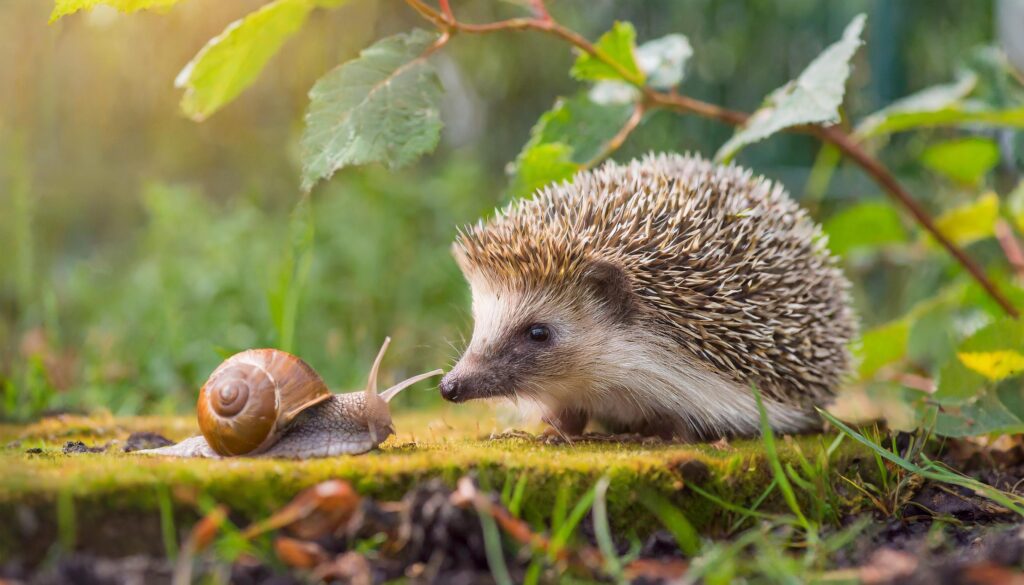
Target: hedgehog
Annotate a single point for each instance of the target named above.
(655, 297)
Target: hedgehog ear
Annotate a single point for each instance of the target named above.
(611, 286)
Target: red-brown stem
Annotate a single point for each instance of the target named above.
(883, 177)
(446, 10)
(1011, 247)
(540, 10)
(675, 101)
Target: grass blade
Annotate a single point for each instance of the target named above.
(493, 549)
(674, 520)
(567, 528)
(603, 532)
(167, 531)
(934, 471)
(768, 436)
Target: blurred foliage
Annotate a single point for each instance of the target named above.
(142, 247)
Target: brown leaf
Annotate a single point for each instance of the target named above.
(318, 511)
(657, 569)
(299, 554)
(888, 565)
(989, 574)
(351, 568)
(206, 529)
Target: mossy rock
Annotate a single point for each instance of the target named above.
(109, 502)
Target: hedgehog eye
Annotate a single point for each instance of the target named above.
(539, 332)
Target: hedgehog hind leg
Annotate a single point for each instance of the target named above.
(568, 422)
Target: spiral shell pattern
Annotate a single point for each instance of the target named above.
(249, 400)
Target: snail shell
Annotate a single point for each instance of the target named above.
(250, 399)
(269, 403)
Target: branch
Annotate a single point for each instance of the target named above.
(684, 104)
(540, 10)
(849, 147)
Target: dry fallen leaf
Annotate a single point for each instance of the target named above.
(299, 554)
(657, 570)
(318, 511)
(351, 567)
(888, 565)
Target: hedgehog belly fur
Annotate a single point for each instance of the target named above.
(637, 379)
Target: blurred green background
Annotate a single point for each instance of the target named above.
(139, 248)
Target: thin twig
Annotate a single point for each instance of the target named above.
(1011, 247)
(446, 10)
(685, 104)
(540, 10)
(883, 177)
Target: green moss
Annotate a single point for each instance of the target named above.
(441, 444)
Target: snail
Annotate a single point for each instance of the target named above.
(270, 403)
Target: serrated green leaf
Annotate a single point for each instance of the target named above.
(978, 298)
(964, 160)
(580, 123)
(1005, 333)
(564, 139)
(1015, 206)
(982, 358)
(662, 60)
(619, 45)
(883, 345)
(976, 386)
(232, 60)
(967, 113)
(970, 222)
(957, 384)
(380, 107)
(927, 101)
(986, 415)
(812, 98)
(866, 225)
(63, 8)
(1011, 394)
(543, 164)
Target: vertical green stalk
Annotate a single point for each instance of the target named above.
(67, 528)
(285, 294)
(23, 218)
(492, 547)
(768, 436)
(602, 530)
(167, 530)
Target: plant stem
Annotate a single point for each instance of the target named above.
(1011, 247)
(849, 147)
(674, 101)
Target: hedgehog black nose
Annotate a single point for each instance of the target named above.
(452, 388)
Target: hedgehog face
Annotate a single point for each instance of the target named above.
(540, 343)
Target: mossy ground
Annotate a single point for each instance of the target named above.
(97, 492)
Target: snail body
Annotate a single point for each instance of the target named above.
(270, 403)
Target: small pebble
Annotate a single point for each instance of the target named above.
(75, 447)
(146, 440)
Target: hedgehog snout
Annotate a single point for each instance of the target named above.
(469, 382)
(452, 388)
